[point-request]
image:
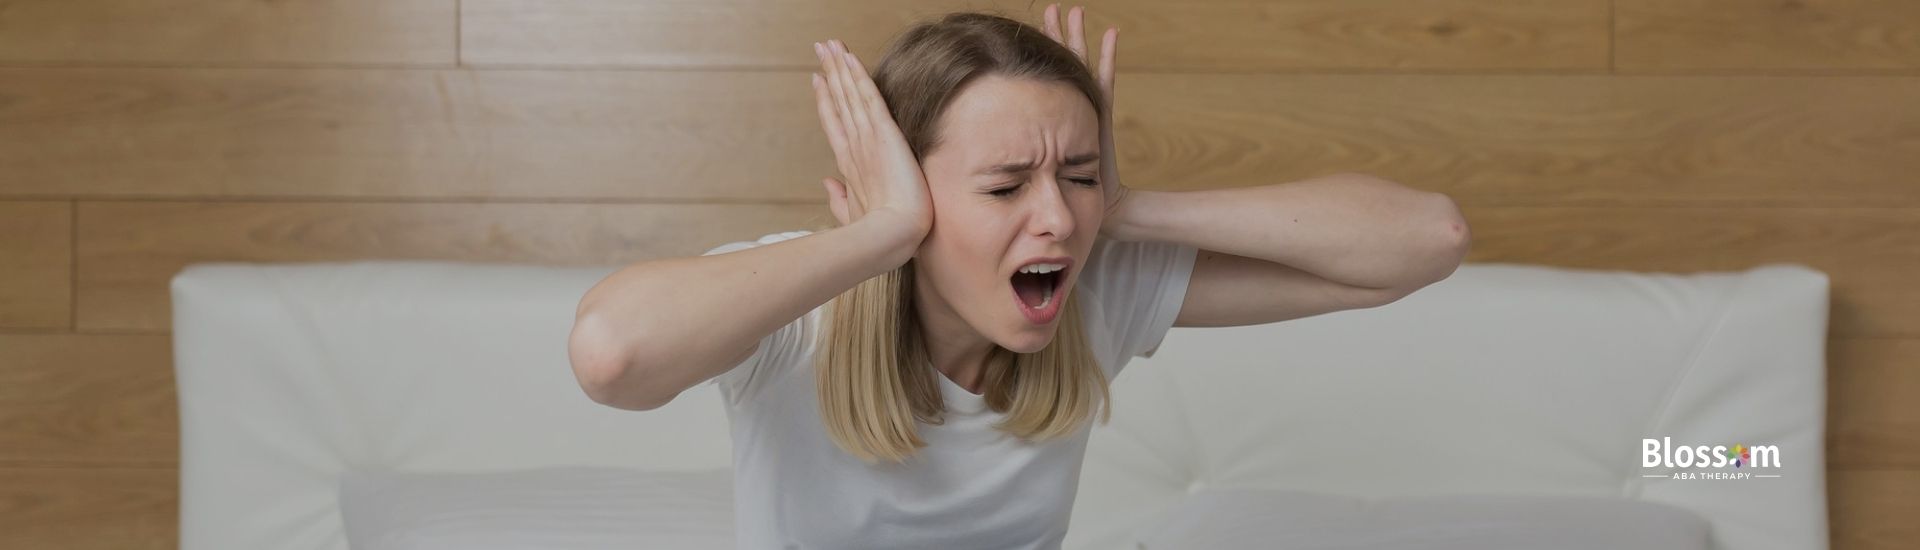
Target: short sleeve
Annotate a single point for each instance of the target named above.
(782, 349)
(1140, 286)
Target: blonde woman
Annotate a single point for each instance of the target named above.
(925, 374)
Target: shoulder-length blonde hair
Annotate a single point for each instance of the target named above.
(873, 374)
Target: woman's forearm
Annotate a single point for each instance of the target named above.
(1349, 228)
(653, 329)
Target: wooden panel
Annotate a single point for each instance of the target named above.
(72, 399)
(1486, 140)
(202, 32)
(1873, 418)
(36, 261)
(89, 508)
(130, 251)
(1512, 140)
(1695, 35)
(388, 133)
(127, 251)
(1228, 36)
(1870, 254)
(1874, 510)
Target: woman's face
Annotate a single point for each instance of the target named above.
(1014, 179)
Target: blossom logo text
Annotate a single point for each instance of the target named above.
(1708, 462)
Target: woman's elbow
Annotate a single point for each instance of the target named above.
(1440, 238)
(1446, 241)
(1456, 238)
(603, 369)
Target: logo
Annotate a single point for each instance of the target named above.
(1715, 462)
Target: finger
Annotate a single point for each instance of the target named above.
(830, 121)
(1107, 46)
(869, 92)
(1052, 18)
(830, 78)
(861, 128)
(1076, 34)
(836, 198)
(830, 58)
(859, 132)
(836, 113)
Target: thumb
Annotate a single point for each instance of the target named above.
(836, 198)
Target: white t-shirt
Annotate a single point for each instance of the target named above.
(972, 486)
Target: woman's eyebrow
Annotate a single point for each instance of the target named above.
(1022, 166)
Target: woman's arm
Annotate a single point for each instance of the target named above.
(1295, 250)
(1280, 251)
(1352, 229)
(653, 329)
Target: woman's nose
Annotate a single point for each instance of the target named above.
(1051, 216)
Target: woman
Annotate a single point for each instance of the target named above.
(925, 374)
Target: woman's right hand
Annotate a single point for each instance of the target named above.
(881, 173)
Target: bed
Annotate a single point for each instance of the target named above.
(429, 404)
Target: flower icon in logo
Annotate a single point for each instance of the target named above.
(1740, 455)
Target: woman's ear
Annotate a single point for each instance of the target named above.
(836, 199)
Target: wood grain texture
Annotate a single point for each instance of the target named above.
(226, 32)
(1208, 35)
(129, 251)
(89, 508)
(579, 135)
(36, 265)
(559, 135)
(69, 399)
(1873, 419)
(1774, 35)
(1874, 510)
(1870, 254)
(1537, 140)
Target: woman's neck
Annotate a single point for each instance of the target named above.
(954, 347)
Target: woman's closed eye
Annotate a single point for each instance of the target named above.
(1009, 190)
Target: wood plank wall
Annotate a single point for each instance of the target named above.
(138, 136)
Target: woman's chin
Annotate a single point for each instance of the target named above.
(1031, 340)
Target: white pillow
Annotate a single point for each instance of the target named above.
(558, 508)
(1247, 519)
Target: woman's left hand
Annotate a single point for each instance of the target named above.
(1075, 39)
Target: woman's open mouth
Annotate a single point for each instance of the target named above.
(1036, 291)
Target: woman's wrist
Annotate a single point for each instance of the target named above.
(898, 236)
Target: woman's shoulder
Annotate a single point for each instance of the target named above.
(1136, 289)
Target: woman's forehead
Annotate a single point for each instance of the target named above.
(999, 120)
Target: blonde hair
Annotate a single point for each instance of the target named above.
(873, 373)
(874, 380)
